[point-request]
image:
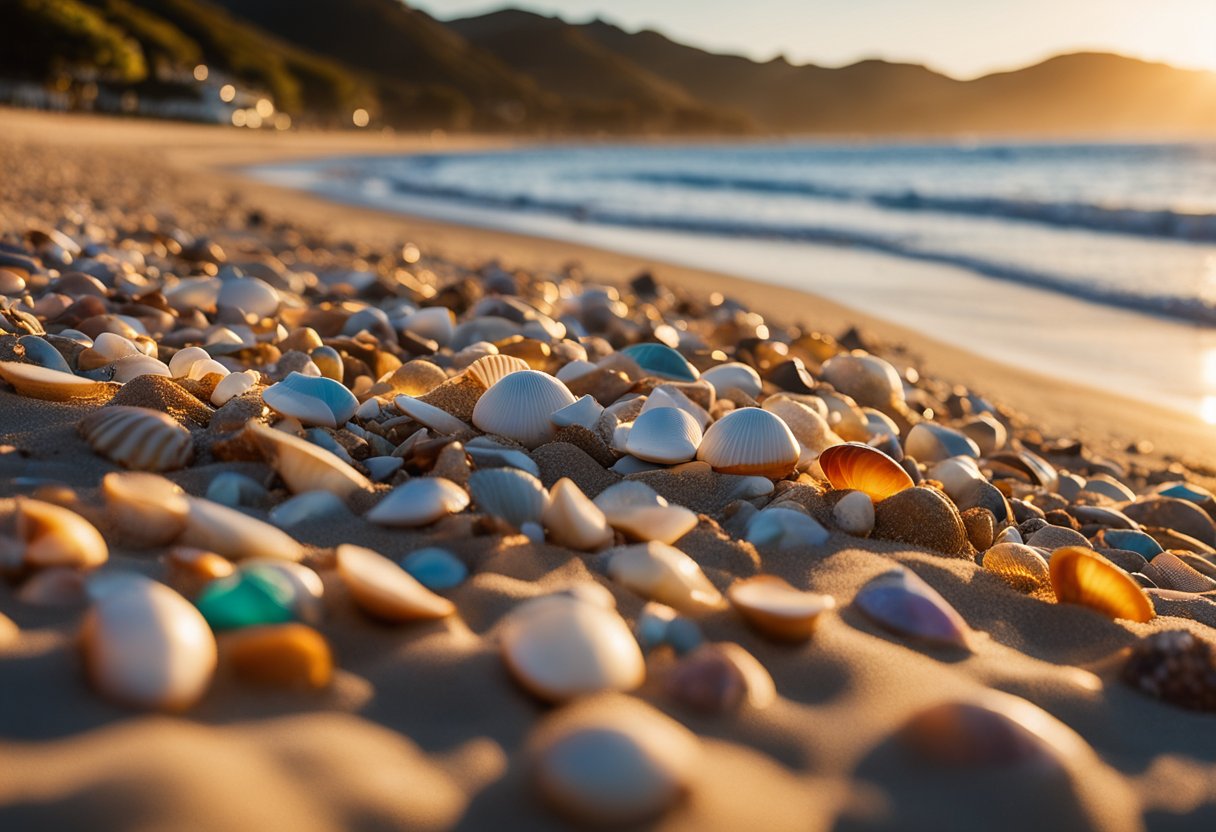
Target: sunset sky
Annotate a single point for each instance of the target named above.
(963, 38)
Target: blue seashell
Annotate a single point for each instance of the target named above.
(1180, 490)
(38, 351)
(435, 568)
(322, 439)
(313, 400)
(1132, 541)
(233, 489)
(683, 635)
(662, 361)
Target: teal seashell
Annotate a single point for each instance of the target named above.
(1180, 490)
(38, 351)
(1132, 541)
(435, 568)
(313, 400)
(662, 361)
(247, 598)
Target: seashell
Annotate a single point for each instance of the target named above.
(233, 385)
(382, 468)
(384, 590)
(1175, 666)
(862, 468)
(734, 375)
(189, 570)
(138, 437)
(808, 426)
(232, 534)
(901, 602)
(719, 678)
(1182, 490)
(1082, 576)
(573, 520)
(435, 568)
(55, 536)
(414, 378)
(329, 361)
(585, 412)
(107, 348)
(518, 406)
(665, 435)
(40, 352)
(147, 509)
(666, 524)
(925, 517)
(509, 494)
(433, 323)
(293, 656)
(133, 366)
(560, 647)
(1108, 486)
(199, 370)
(1009, 534)
(613, 765)
(785, 529)
(232, 489)
(419, 502)
(36, 382)
(777, 609)
(1038, 470)
(311, 505)
(866, 378)
(489, 370)
(1056, 537)
(252, 596)
(1021, 566)
(1178, 515)
(1169, 571)
(146, 646)
(486, 453)
(314, 401)
(986, 432)
(929, 442)
(663, 573)
(845, 417)
(662, 361)
(670, 396)
(575, 369)
(750, 441)
(854, 514)
(430, 416)
(628, 494)
(250, 295)
(957, 475)
(305, 467)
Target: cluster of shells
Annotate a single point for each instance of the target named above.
(611, 421)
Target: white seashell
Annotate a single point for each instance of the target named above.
(419, 502)
(250, 295)
(509, 494)
(667, 396)
(1108, 486)
(133, 366)
(666, 524)
(734, 376)
(665, 435)
(304, 466)
(560, 647)
(382, 468)
(585, 412)
(490, 369)
(518, 406)
(147, 509)
(956, 475)
(777, 609)
(809, 427)
(869, 380)
(138, 437)
(233, 385)
(184, 359)
(575, 369)
(785, 529)
(314, 401)
(201, 369)
(232, 534)
(434, 323)
(487, 453)
(36, 382)
(310, 505)
(750, 441)
(107, 348)
(928, 442)
(573, 520)
(191, 293)
(628, 494)
(384, 590)
(430, 416)
(854, 514)
(146, 646)
(52, 535)
(663, 573)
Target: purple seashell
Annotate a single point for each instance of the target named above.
(901, 602)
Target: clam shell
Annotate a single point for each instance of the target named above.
(662, 361)
(750, 441)
(384, 590)
(573, 520)
(1018, 565)
(519, 406)
(862, 468)
(809, 427)
(489, 370)
(560, 647)
(147, 509)
(40, 383)
(777, 609)
(669, 396)
(312, 400)
(138, 437)
(509, 494)
(293, 656)
(55, 536)
(868, 379)
(434, 323)
(304, 466)
(250, 295)
(734, 376)
(585, 412)
(233, 385)
(329, 361)
(1169, 571)
(901, 602)
(201, 369)
(929, 442)
(665, 435)
(133, 366)
(785, 529)
(663, 573)
(666, 524)
(854, 514)
(232, 534)
(432, 417)
(146, 646)
(419, 502)
(1082, 576)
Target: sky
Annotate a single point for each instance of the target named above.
(963, 38)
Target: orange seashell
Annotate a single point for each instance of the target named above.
(1082, 576)
(860, 467)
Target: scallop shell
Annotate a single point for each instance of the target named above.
(573, 520)
(663, 573)
(669, 396)
(312, 400)
(901, 602)
(750, 441)
(233, 534)
(1021, 566)
(147, 509)
(734, 376)
(1082, 576)
(304, 466)
(862, 468)
(55, 536)
(585, 412)
(509, 494)
(233, 385)
(489, 370)
(868, 379)
(419, 502)
(519, 407)
(929, 442)
(1169, 571)
(662, 361)
(777, 609)
(384, 590)
(665, 435)
(785, 529)
(138, 438)
(144, 645)
(40, 383)
(430, 416)
(560, 647)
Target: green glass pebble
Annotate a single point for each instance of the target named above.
(247, 598)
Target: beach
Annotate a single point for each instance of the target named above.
(421, 725)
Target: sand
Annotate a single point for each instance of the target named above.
(423, 728)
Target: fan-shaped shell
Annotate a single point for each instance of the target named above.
(55, 536)
(432, 417)
(734, 376)
(147, 509)
(750, 441)
(138, 437)
(668, 395)
(665, 435)
(862, 468)
(1169, 571)
(1082, 576)
(509, 494)
(40, 383)
(663, 573)
(777, 609)
(305, 466)
(519, 406)
(1018, 565)
(490, 369)
(901, 602)
(384, 590)
(573, 520)
(868, 379)
(419, 502)
(662, 361)
(314, 400)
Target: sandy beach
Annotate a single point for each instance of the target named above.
(423, 727)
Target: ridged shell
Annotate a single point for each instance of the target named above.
(509, 494)
(519, 407)
(862, 468)
(384, 590)
(233, 534)
(901, 602)
(1018, 565)
(777, 609)
(55, 536)
(868, 379)
(432, 417)
(1168, 571)
(489, 370)
(750, 441)
(138, 438)
(419, 502)
(304, 466)
(1082, 576)
(662, 361)
(573, 520)
(667, 395)
(808, 426)
(929, 442)
(733, 376)
(665, 435)
(40, 383)
(147, 509)
(663, 573)
(312, 400)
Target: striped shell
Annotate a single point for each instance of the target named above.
(750, 441)
(1169, 571)
(305, 466)
(1020, 566)
(138, 438)
(509, 494)
(40, 383)
(1082, 576)
(862, 468)
(519, 407)
(490, 369)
